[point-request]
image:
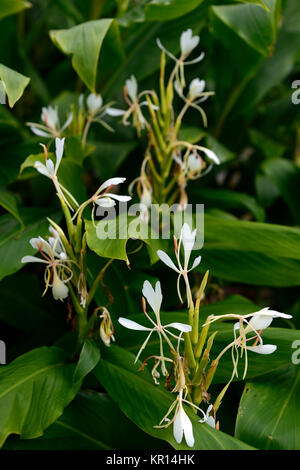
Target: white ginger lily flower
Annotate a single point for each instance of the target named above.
(51, 126)
(154, 298)
(57, 270)
(95, 109)
(50, 170)
(103, 198)
(195, 96)
(182, 425)
(258, 322)
(196, 88)
(187, 239)
(132, 98)
(188, 43)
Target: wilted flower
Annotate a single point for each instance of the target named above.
(57, 270)
(106, 327)
(51, 126)
(209, 418)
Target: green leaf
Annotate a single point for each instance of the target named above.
(14, 84)
(89, 423)
(84, 43)
(11, 7)
(88, 359)
(34, 390)
(256, 26)
(286, 177)
(9, 202)
(164, 10)
(14, 246)
(146, 403)
(269, 413)
(122, 229)
(226, 199)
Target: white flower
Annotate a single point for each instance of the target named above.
(187, 239)
(50, 171)
(264, 317)
(209, 419)
(94, 103)
(263, 348)
(188, 42)
(132, 87)
(194, 163)
(196, 88)
(57, 271)
(51, 126)
(183, 426)
(154, 298)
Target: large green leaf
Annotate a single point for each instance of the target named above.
(269, 413)
(123, 228)
(286, 177)
(164, 10)
(84, 43)
(11, 7)
(145, 403)
(14, 84)
(256, 26)
(91, 422)
(252, 252)
(34, 390)
(9, 202)
(14, 246)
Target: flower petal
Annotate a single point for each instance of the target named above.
(132, 325)
(196, 263)
(111, 182)
(154, 297)
(132, 87)
(167, 260)
(263, 348)
(38, 132)
(94, 102)
(115, 112)
(180, 326)
(32, 259)
(42, 169)
(119, 197)
(59, 150)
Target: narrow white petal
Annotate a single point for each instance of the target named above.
(68, 122)
(119, 197)
(188, 42)
(50, 166)
(263, 348)
(132, 87)
(154, 297)
(111, 182)
(178, 427)
(42, 169)
(105, 202)
(59, 150)
(167, 260)
(196, 262)
(40, 133)
(115, 112)
(132, 325)
(180, 326)
(187, 428)
(211, 155)
(32, 259)
(260, 322)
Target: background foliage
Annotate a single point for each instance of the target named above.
(252, 234)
